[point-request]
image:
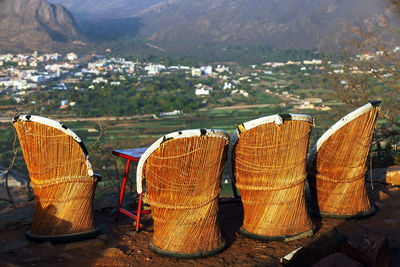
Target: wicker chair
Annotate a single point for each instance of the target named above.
(268, 163)
(336, 166)
(62, 179)
(182, 171)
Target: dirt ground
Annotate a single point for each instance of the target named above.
(119, 245)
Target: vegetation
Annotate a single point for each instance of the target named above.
(374, 75)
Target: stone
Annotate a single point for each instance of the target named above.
(393, 189)
(286, 259)
(369, 248)
(7, 264)
(113, 252)
(20, 243)
(379, 204)
(131, 233)
(338, 259)
(103, 237)
(383, 196)
(393, 175)
(104, 229)
(328, 243)
(392, 221)
(29, 260)
(27, 252)
(378, 175)
(92, 243)
(68, 256)
(47, 245)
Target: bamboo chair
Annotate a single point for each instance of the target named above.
(267, 157)
(62, 179)
(336, 166)
(183, 172)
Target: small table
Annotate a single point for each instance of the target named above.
(131, 155)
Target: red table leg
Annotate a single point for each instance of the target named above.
(121, 196)
(139, 211)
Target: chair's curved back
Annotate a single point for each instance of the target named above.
(268, 158)
(336, 164)
(61, 176)
(183, 171)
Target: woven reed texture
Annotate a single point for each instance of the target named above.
(183, 180)
(337, 174)
(269, 163)
(63, 189)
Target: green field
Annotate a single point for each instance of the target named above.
(143, 132)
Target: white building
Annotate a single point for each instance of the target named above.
(196, 72)
(37, 78)
(222, 68)
(171, 113)
(154, 69)
(99, 80)
(206, 70)
(241, 92)
(71, 56)
(312, 62)
(228, 85)
(202, 90)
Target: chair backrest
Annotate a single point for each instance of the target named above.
(185, 153)
(267, 149)
(52, 152)
(346, 143)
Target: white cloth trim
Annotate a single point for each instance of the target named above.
(51, 123)
(339, 124)
(277, 119)
(58, 126)
(174, 135)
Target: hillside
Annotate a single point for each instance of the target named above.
(177, 24)
(104, 9)
(36, 25)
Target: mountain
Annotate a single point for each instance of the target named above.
(36, 25)
(175, 24)
(105, 9)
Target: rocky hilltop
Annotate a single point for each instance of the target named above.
(36, 25)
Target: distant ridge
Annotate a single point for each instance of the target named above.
(36, 25)
(179, 24)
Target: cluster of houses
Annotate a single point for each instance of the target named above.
(24, 72)
(27, 73)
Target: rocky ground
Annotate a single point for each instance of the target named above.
(376, 238)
